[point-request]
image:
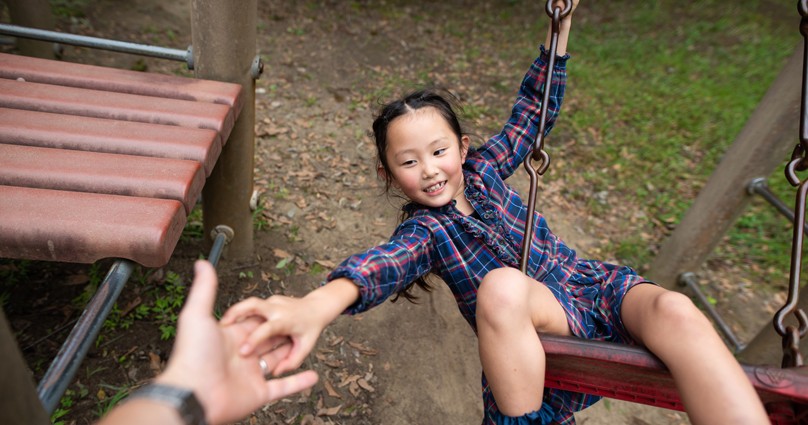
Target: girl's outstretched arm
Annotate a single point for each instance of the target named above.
(300, 319)
(564, 29)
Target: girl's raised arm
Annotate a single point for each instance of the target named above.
(564, 29)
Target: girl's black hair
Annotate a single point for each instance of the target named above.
(444, 103)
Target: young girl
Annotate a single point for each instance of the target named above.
(465, 224)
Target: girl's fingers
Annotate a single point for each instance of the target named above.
(265, 331)
(249, 307)
(274, 346)
(298, 351)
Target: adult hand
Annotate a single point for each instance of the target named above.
(206, 358)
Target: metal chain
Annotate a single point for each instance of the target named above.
(799, 162)
(539, 154)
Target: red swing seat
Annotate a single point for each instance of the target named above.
(632, 373)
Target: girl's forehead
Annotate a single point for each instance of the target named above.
(423, 118)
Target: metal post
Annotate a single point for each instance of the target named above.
(35, 14)
(763, 144)
(223, 35)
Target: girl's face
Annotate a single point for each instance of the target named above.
(425, 157)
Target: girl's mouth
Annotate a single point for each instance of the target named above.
(435, 187)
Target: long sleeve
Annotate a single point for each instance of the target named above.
(388, 268)
(515, 142)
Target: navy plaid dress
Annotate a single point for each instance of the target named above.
(463, 249)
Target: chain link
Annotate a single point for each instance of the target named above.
(556, 14)
(799, 162)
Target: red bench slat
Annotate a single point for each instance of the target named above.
(48, 130)
(120, 80)
(94, 172)
(86, 227)
(119, 106)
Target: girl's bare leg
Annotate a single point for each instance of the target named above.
(511, 308)
(713, 386)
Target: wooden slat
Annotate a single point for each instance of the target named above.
(120, 80)
(48, 130)
(86, 227)
(94, 172)
(118, 106)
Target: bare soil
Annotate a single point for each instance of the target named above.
(328, 63)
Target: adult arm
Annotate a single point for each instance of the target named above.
(206, 361)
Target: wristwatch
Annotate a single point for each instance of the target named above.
(181, 399)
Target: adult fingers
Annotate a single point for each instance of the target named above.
(282, 387)
(203, 291)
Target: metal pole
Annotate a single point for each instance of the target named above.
(689, 280)
(224, 35)
(82, 337)
(763, 144)
(100, 43)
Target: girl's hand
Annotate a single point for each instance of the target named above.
(280, 316)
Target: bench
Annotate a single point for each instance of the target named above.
(102, 163)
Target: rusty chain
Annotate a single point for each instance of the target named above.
(799, 162)
(556, 14)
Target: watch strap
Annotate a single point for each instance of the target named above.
(181, 399)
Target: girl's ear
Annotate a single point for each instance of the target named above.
(384, 176)
(380, 172)
(464, 147)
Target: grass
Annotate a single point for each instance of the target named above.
(669, 105)
(654, 102)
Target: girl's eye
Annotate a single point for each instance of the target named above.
(440, 151)
(408, 163)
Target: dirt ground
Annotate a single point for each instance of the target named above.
(328, 63)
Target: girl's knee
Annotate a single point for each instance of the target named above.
(502, 288)
(678, 310)
(502, 292)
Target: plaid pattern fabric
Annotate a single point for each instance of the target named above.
(463, 249)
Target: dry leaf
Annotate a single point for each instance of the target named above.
(330, 389)
(326, 263)
(154, 363)
(331, 411)
(365, 385)
(281, 253)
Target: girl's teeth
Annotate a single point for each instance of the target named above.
(435, 187)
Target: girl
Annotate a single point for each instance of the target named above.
(465, 224)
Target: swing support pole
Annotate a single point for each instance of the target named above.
(224, 39)
(762, 145)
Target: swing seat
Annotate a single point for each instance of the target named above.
(102, 163)
(632, 373)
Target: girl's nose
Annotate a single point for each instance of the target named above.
(429, 170)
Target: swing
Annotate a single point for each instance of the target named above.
(633, 373)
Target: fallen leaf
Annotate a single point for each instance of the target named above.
(365, 385)
(154, 363)
(330, 389)
(331, 411)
